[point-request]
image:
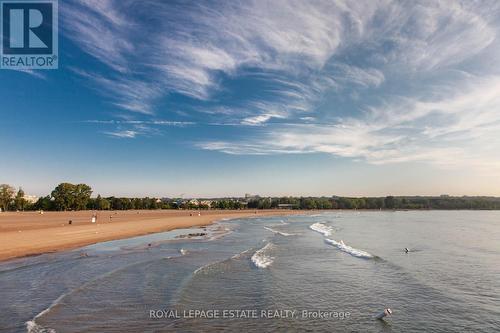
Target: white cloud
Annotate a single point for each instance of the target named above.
(355, 75)
(142, 122)
(257, 120)
(300, 54)
(101, 30)
(131, 129)
(432, 35)
(124, 134)
(192, 43)
(453, 131)
(124, 92)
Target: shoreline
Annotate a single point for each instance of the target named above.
(26, 234)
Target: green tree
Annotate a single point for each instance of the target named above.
(63, 196)
(69, 196)
(137, 203)
(82, 193)
(6, 196)
(44, 203)
(389, 202)
(102, 204)
(153, 204)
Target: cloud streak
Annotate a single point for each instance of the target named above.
(452, 131)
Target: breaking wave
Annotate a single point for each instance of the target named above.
(348, 249)
(286, 234)
(261, 259)
(33, 327)
(321, 228)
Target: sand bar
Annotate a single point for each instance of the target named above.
(30, 233)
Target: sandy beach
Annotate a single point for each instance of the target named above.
(30, 233)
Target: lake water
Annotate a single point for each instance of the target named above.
(325, 272)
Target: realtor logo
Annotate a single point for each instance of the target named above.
(29, 34)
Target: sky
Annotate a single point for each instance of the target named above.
(223, 98)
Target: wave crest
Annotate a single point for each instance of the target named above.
(33, 327)
(261, 259)
(348, 249)
(321, 228)
(286, 234)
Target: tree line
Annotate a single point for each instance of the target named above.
(389, 202)
(67, 196)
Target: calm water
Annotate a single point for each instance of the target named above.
(450, 281)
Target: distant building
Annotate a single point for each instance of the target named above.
(286, 206)
(31, 198)
(207, 203)
(194, 202)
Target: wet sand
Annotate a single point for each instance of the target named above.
(30, 233)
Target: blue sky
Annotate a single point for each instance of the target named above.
(216, 98)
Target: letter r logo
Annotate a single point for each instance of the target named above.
(27, 27)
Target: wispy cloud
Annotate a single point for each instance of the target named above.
(258, 120)
(122, 134)
(190, 44)
(131, 129)
(369, 77)
(124, 92)
(369, 80)
(101, 29)
(141, 122)
(451, 131)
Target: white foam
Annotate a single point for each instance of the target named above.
(217, 231)
(348, 249)
(33, 327)
(286, 234)
(183, 251)
(261, 259)
(321, 228)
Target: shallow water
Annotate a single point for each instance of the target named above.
(449, 281)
